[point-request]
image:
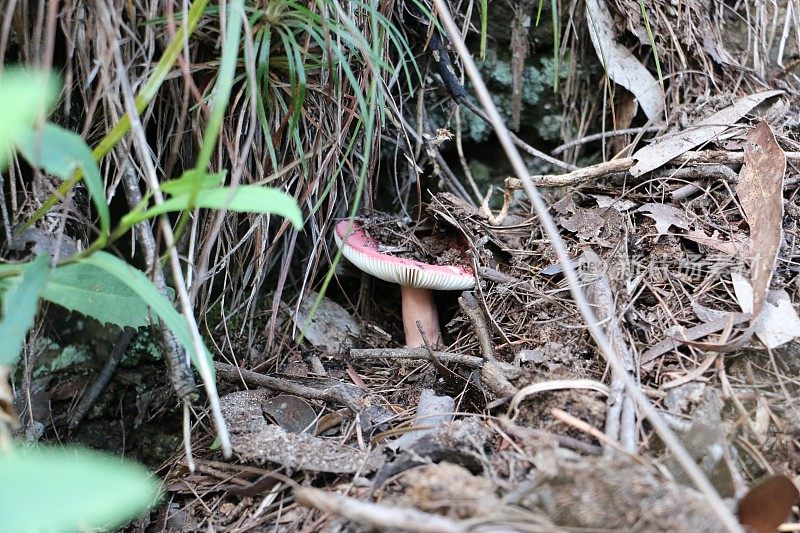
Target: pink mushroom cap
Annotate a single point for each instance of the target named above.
(364, 252)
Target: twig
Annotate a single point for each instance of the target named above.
(348, 395)
(575, 177)
(470, 306)
(527, 434)
(603, 135)
(431, 356)
(691, 334)
(607, 168)
(93, 392)
(415, 353)
(580, 425)
(376, 515)
(620, 412)
(493, 373)
(548, 224)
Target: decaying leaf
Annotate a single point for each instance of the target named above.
(767, 504)
(735, 248)
(620, 204)
(665, 216)
(777, 323)
(290, 412)
(760, 192)
(585, 223)
(620, 64)
(331, 327)
(669, 147)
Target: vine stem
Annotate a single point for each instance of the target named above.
(670, 439)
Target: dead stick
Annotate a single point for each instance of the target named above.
(606, 168)
(351, 397)
(415, 353)
(375, 515)
(620, 412)
(94, 391)
(473, 311)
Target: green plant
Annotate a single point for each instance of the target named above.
(60, 489)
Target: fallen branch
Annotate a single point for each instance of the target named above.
(332, 391)
(607, 168)
(375, 515)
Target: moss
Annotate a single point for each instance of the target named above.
(537, 96)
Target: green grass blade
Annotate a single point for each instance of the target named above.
(242, 199)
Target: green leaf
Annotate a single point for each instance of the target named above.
(90, 291)
(70, 489)
(243, 199)
(96, 293)
(24, 97)
(138, 282)
(192, 181)
(61, 153)
(20, 302)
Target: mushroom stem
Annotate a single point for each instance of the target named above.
(418, 305)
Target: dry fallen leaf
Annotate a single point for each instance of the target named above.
(620, 64)
(777, 323)
(255, 439)
(331, 328)
(767, 504)
(669, 147)
(760, 192)
(736, 247)
(665, 216)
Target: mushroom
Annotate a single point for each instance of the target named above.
(417, 280)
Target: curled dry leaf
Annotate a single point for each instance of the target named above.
(620, 64)
(760, 192)
(778, 322)
(669, 147)
(736, 247)
(290, 412)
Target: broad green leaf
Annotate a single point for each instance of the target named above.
(192, 181)
(25, 96)
(19, 304)
(90, 291)
(70, 489)
(95, 292)
(243, 199)
(138, 282)
(61, 152)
